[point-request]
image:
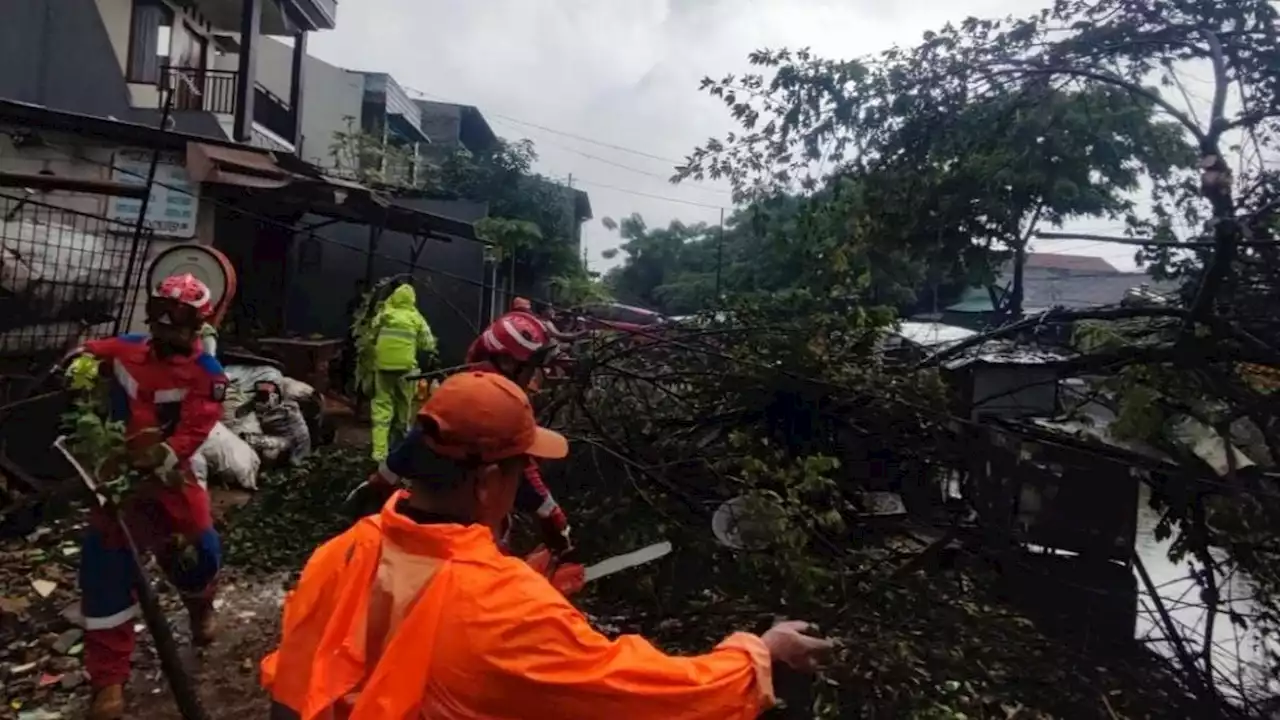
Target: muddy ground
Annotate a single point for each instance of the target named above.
(40, 661)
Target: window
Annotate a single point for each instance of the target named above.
(150, 36)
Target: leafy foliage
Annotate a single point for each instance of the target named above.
(503, 177)
(296, 509)
(577, 288)
(783, 400)
(97, 443)
(988, 127)
(931, 172)
(370, 158)
(507, 237)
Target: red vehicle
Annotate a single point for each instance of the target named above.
(616, 317)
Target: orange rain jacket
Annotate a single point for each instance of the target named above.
(366, 636)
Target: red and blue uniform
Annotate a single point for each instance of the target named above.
(181, 398)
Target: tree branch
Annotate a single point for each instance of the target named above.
(1058, 315)
(1121, 83)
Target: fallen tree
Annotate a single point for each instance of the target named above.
(789, 405)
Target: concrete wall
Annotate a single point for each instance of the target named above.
(442, 122)
(275, 66)
(61, 57)
(330, 94)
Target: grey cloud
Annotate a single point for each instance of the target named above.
(622, 71)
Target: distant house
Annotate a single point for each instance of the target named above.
(1052, 280)
(454, 127)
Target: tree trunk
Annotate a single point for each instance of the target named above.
(1014, 306)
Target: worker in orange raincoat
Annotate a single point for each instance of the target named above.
(415, 613)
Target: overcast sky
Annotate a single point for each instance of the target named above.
(625, 73)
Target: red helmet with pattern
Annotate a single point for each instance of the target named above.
(516, 335)
(184, 290)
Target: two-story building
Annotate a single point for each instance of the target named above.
(114, 58)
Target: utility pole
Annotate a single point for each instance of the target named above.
(719, 253)
(572, 215)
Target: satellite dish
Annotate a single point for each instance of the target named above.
(208, 265)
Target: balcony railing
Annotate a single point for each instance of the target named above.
(273, 113)
(202, 89)
(215, 91)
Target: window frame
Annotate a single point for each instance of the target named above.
(131, 72)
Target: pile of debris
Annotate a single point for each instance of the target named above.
(268, 420)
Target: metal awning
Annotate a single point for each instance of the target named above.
(233, 166)
(343, 200)
(404, 128)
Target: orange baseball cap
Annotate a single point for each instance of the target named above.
(486, 417)
(521, 304)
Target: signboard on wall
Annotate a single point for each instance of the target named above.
(175, 200)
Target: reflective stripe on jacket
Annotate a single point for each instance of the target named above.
(366, 637)
(402, 332)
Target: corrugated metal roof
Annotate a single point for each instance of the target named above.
(1058, 261)
(932, 334)
(1043, 289)
(1006, 352)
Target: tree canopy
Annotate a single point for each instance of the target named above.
(927, 164)
(949, 192)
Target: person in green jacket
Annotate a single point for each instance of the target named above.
(401, 334)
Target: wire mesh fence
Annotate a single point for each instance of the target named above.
(63, 273)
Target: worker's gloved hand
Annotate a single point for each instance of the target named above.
(556, 538)
(369, 496)
(791, 643)
(153, 458)
(568, 578)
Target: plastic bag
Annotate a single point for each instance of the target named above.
(230, 459)
(286, 421)
(246, 377)
(296, 390)
(270, 448)
(200, 468)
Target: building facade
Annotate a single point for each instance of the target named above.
(127, 59)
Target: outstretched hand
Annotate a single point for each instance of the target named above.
(791, 643)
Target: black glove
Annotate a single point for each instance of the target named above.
(369, 496)
(556, 539)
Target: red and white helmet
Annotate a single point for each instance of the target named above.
(188, 290)
(516, 335)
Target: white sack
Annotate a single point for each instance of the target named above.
(230, 459)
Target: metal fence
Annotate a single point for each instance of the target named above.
(63, 273)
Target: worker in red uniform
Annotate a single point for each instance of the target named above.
(168, 392)
(517, 346)
(514, 346)
(416, 614)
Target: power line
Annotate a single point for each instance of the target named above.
(554, 131)
(623, 166)
(601, 143)
(580, 138)
(651, 196)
